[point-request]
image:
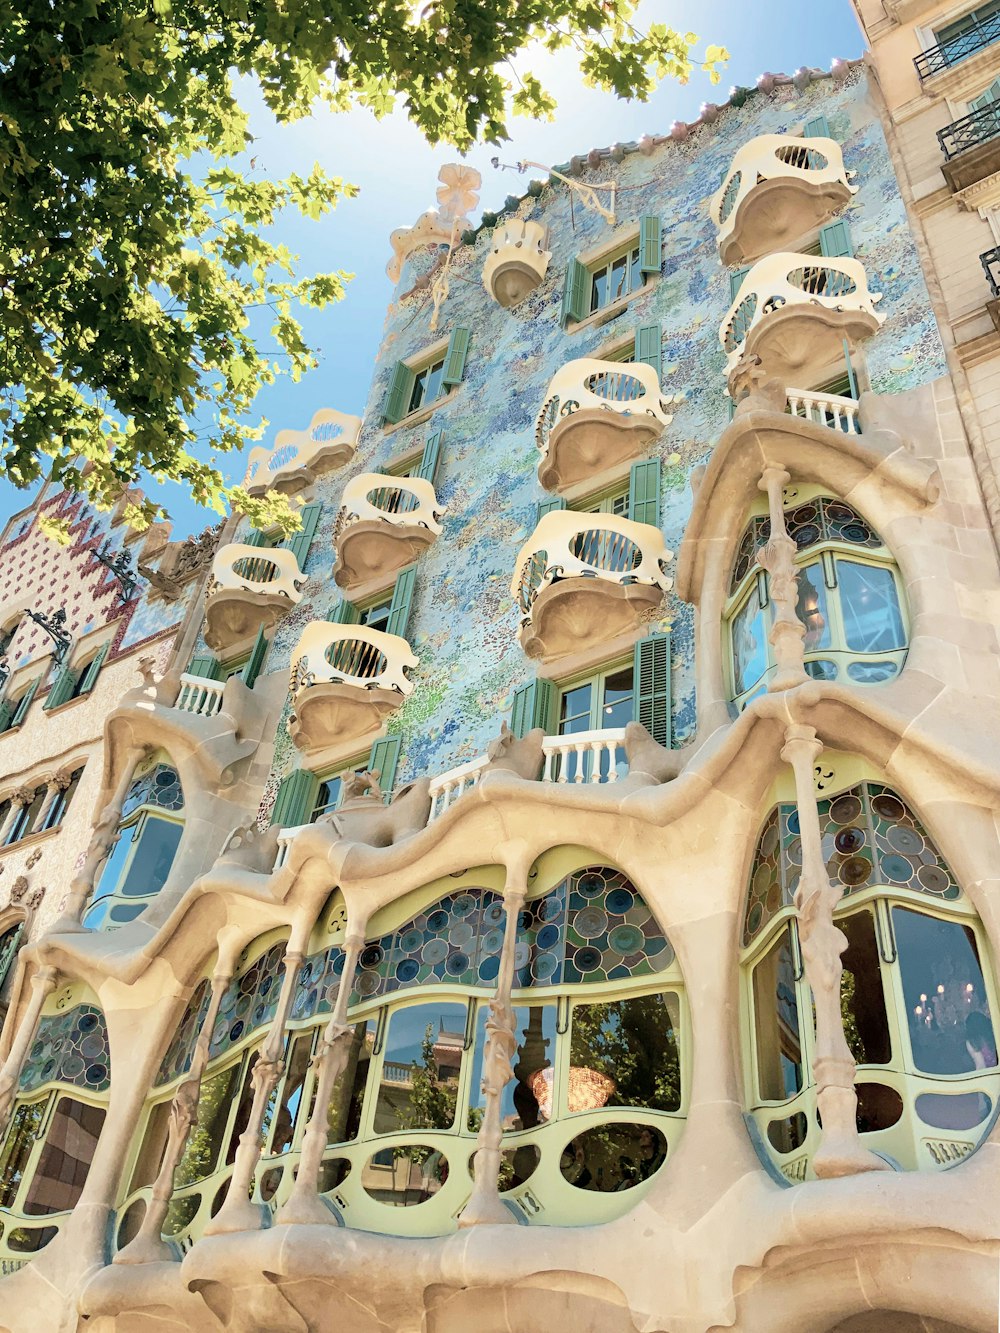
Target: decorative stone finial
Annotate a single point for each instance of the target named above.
(457, 195)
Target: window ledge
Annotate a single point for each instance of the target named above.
(61, 708)
(610, 312)
(424, 413)
(30, 839)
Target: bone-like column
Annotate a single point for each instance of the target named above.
(485, 1204)
(840, 1152)
(787, 632)
(238, 1213)
(329, 1065)
(43, 983)
(148, 1245)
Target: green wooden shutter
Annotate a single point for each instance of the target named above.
(650, 244)
(203, 664)
(254, 538)
(62, 687)
(300, 543)
(399, 391)
(548, 505)
(296, 797)
(644, 492)
(648, 346)
(382, 760)
(24, 703)
(402, 597)
(835, 241)
(344, 613)
(93, 670)
(9, 951)
(255, 661)
(991, 95)
(651, 686)
(6, 713)
(736, 281)
(817, 128)
(532, 707)
(454, 361)
(432, 452)
(576, 293)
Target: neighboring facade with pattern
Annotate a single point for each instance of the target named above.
(555, 888)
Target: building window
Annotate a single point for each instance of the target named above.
(957, 40)
(60, 802)
(417, 384)
(916, 999)
(328, 795)
(849, 599)
(24, 820)
(375, 614)
(616, 277)
(426, 385)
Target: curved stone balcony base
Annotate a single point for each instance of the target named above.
(798, 341)
(569, 614)
(300, 456)
(372, 548)
(235, 614)
(517, 261)
(778, 211)
(592, 440)
(330, 713)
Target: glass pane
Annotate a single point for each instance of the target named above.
(951, 1031)
(344, 1112)
(201, 1152)
(154, 855)
(574, 709)
(113, 866)
(609, 1158)
(405, 1177)
(599, 291)
(777, 1034)
(616, 707)
(535, 1028)
(65, 1159)
(420, 1069)
(862, 1000)
(327, 797)
(433, 382)
(377, 616)
(811, 607)
(419, 389)
(291, 1093)
(749, 643)
(17, 1146)
(618, 284)
(243, 1109)
(625, 1053)
(870, 608)
(637, 275)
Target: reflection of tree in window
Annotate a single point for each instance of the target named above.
(632, 1043)
(776, 1022)
(423, 1057)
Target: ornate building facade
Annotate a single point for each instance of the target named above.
(555, 888)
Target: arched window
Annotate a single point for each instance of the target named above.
(24, 821)
(61, 801)
(148, 836)
(54, 1127)
(849, 599)
(595, 1106)
(917, 995)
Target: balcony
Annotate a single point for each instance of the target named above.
(586, 578)
(981, 34)
(824, 409)
(971, 147)
(991, 267)
(384, 524)
(597, 414)
(345, 681)
(778, 188)
(517, 261)
(300, 456)
(249, 590)
(794, 313)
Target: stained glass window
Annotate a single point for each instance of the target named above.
(70, 1047)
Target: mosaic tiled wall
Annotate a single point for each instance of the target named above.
(463, 624)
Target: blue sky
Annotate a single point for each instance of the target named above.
(397, 175)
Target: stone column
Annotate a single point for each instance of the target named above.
(329, 1064)
(484, 1203)
(148, 1246)
(53, 789)
(43, 983)
(238, 1213)
(21, 797)
(840, 1152)
(778, 558)
(105, 830)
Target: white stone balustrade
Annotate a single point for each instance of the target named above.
(299, 456)
(795, 311)
(199, 695)
(285, 839)
(778, 188)
(825, 409)
(597, 414)
(251, 588)
(585, 756)
(446, 788)
(384, 523)
(517, 261)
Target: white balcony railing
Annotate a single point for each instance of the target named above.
(285, 838)
(777, 188)
(199, 695)
(300, 455)
(249, 569)
(825, 409)
(351, 655)
(445, 789)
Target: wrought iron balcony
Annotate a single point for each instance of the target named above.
(584, 579)
(977, 128)
(250, 589)
(982, 33)
(597, 414)
(778, 188)
(991, 267)
(384, 523)
(300, 456)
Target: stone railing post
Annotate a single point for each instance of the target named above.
(148, 1245)
(329, 1063)
(238, 1213)
(787, 632)
(840, 1152)
(43, 983)
(484, 1203)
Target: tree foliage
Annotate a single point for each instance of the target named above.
(133, 240)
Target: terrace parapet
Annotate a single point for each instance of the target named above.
(298, 457)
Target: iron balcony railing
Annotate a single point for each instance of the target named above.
(991, 267)
(978, 127)
(982, 33)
